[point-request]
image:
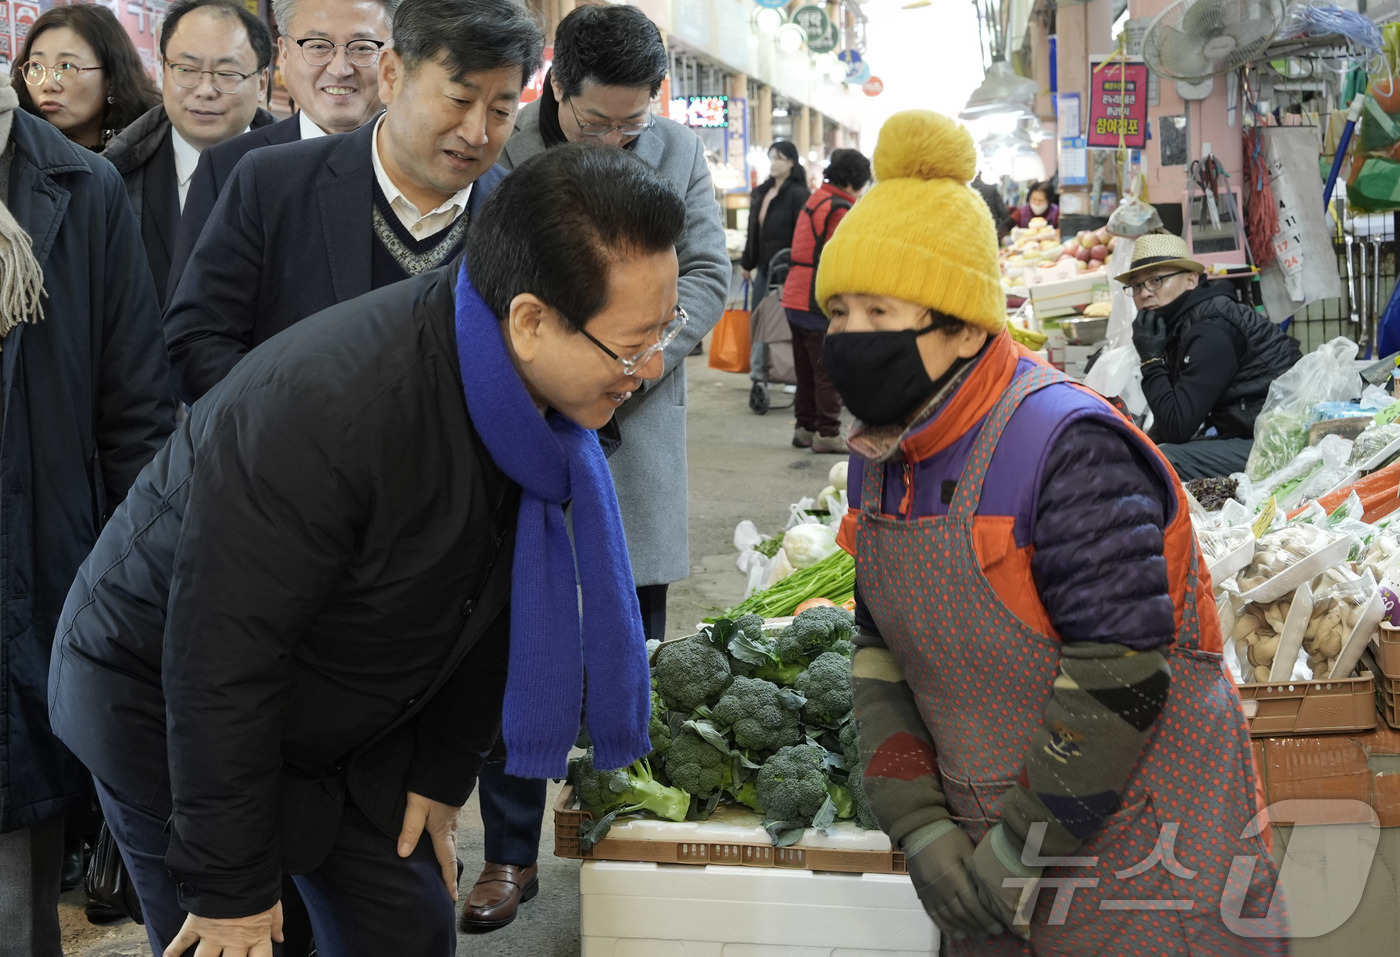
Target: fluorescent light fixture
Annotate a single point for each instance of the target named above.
(768, 20)
(780, 112)
(791, 37)
(1002, 91)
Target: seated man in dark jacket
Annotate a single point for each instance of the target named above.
(291, 640)
(1207, 359)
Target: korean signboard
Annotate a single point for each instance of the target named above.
(1117, 105)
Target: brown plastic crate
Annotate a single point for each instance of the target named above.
(1312, 707)
(1388, 652)
(567, 819)
(1389, 709)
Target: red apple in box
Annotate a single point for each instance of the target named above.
(1099, 253)
(1082, 254)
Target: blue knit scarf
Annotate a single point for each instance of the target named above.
(552, 644)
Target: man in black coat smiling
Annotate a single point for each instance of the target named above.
(301, 609)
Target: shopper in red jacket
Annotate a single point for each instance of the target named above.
(817, 404)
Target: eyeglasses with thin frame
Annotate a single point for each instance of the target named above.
(34, 72)
(603, 129)
(631, 365)
(1155, 283)
(318, 51)
(189, 77)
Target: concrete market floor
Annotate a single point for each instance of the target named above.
(741, 466)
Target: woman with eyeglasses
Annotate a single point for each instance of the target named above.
(79, 70)
(1044, 725)
(1207, 359)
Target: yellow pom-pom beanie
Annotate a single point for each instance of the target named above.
(921, 233)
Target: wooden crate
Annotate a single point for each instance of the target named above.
(799, 856)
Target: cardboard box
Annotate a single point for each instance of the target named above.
(628, 909)
(1062, 290)
(1360, 766)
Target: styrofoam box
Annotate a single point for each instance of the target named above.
(677, 910)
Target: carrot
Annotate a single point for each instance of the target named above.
(1380, 484)
(1380, 511)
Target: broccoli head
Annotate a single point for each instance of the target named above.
(865, 817)
(850, 745)
(826, 684)
(751, 625)
(813, 632)
(633, 788)
(844, 647)
(762, 716)
(696, 766)
(792, 785)
(691, 672)
(659, 731)
(750, 628)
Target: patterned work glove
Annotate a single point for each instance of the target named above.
(938, 856)
(995, 862)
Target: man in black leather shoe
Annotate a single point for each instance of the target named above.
(595, 95)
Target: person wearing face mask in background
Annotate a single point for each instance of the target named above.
(79, 70)
(1038, 654)
(1038, 206)
(1207, 359)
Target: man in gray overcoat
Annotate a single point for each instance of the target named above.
(609, 62)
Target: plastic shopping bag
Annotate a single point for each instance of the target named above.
(1281, 431)
(1118, 373)
(729, 343)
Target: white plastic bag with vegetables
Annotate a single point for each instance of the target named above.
(1268, 637)
(1344, 619)
(1281, 430)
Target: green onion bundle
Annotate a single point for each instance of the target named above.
(833, 578)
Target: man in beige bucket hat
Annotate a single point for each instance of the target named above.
(1207, 358)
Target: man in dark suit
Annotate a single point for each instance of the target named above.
(214, 55)
(328, 55)
(307, 225)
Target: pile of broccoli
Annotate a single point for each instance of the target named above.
(747, 717)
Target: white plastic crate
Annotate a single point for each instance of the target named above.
(634, 909)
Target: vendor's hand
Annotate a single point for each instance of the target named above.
(938, 857)
(746, 273)
(1002, 880)
(1150, 335)
(250, 936)
(440, 821)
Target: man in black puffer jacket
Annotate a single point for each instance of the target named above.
(1207, 359)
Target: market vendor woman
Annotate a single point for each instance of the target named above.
(1039, 670)
(1207, 359)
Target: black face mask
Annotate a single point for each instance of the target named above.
(880, 375)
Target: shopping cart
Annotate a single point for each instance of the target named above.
(770, 361)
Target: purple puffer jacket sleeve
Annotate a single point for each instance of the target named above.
(1098, 539)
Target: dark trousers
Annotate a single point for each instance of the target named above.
(1208, 458)
(139, 831)
(31, 869)
(512, 809)
(366, 901)
(817, 403)
(140, 834)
